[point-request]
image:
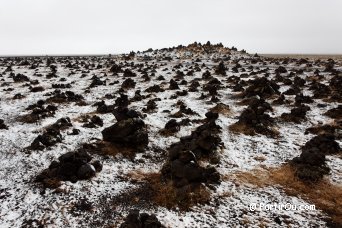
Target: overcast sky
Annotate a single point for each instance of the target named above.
(29, 27)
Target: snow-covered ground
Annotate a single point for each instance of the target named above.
(24, 203)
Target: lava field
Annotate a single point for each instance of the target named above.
(187, 136)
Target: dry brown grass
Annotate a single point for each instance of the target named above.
(325, 195)
(325, 129)
(242, 129)
(238, 95)
(107, 148)
(166, 132)
(28, 118)
(165, 194)
(52, 183)
(222, 109)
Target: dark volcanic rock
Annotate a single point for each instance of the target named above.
(37, 89)
(254, 119)
(140, 220)
(297, 114)
(298, 81)
(182, 166)
(325, 144)
(93, 122)
(183, 169)
(327, 129)
(86, 171)
(171, 126)
(102, 107)
(293, 90)
(320, 90)
(74, 132)
(335, 113)
(194, 86)
(311, 165)
(221, 69)
(261, 87)
(3, 125)
(18, 96)
(122, 101)
(212, 86)
(129, 73)
(300, 98)
(130, 132)
(206, 75)
(123, 113)
(129, 83)
(138, 96)
(154, 89)
(204, 141)
(67, 96)
(173, 85)
(280, 100)
(151, 106)
(183, 110)
(61, 86)
(49, 138)
(280, 70)
(96, 81)
(72, 166)
(20, 78)
(62, 123)
(115, 69)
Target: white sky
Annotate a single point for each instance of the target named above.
(29, 27)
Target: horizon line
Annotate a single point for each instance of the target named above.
(107, 54)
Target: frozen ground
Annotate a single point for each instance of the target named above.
(24, 203)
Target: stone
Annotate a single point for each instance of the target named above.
(173, 85)
(221, 69)
(135, 219)
(3, 125)
(71, 166)
(86, 171)
(261, 87)
(130, 132)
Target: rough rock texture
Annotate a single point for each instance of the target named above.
(335, 113)
(203, 141)
(102, 107)
(297, 114)
(311, 164)
(254, 119)
(135, 219)
(68, 96)
(2, 124)
(49, 138)
(93, 122)
(51, 135)
(39, 111)
(221, 69)
(182, 166)
(183, 169)
(261, 87)
(124, 113)
(172, 126)
(130, 132)
(72, 166)
(326, 144)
